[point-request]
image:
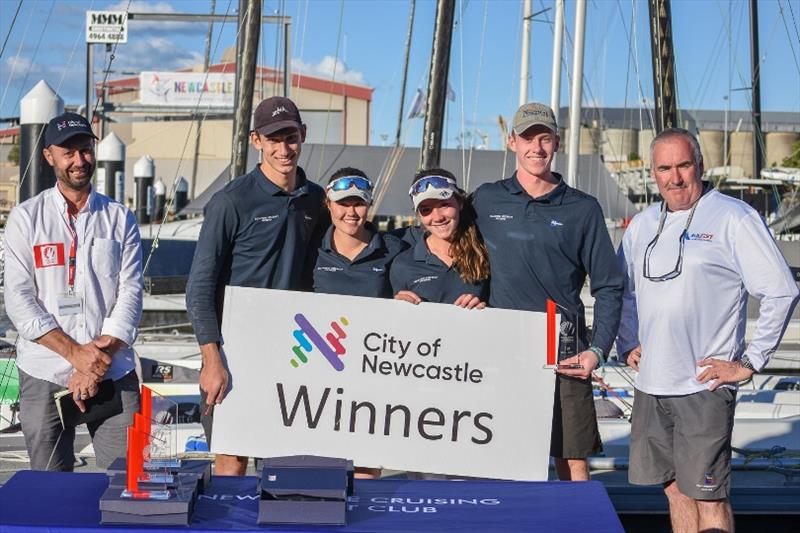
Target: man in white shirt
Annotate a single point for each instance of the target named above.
(690, 263)
(73, 289)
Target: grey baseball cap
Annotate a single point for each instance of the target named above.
(534, 114)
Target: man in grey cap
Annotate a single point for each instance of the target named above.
(73, 289)
(256, 233)
(544, 238)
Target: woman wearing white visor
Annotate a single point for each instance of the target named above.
(354, 258)
(450, 264)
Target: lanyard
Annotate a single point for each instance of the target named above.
(73, 249)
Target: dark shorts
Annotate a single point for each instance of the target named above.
(686, 439)
(575, 434)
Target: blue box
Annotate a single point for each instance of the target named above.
(307, 494)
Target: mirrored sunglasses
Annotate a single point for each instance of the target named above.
(346, 182)
(437, 182)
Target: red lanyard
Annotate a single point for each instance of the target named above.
(73, 248)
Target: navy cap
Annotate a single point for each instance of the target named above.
(65, 126)
(275, 114)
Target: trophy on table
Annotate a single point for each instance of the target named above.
(151, 485)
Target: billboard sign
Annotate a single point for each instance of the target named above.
(428, 388)
(106, 27)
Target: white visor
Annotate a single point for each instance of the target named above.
(352, 192)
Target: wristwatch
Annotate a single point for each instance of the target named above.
(745, 362)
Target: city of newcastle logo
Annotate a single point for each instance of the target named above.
(307, 337)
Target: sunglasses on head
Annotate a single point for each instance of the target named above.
(437, 182)
(347, 182)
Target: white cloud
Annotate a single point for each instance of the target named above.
(156, 53)
(326, 68)
(21, 74)
(150, 27)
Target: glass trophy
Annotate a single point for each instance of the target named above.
(152, 449)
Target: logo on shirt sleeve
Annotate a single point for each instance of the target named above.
(48, 255)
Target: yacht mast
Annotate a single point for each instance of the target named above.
(555, 77)
(666, 100)
(247, 48)
(755, 74)
(526, 52)
(576, 93)
(437, 85)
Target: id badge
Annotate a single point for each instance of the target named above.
(69, 304)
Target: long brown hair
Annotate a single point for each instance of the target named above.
(467, 248)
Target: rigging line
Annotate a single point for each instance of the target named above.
(515, 68)
(171, 198)
(262, 53)
(477, 91)
(302, 42)
(627, 66)
(791, 12)
(78, 35)
(5, 41)
(709, 70)
(108, 68)
(788, 33)
(330, 90)
(278, 60)
(640, 95)
(460, 23)
(16, 60)
(36, 50)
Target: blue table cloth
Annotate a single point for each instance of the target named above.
(54, 502)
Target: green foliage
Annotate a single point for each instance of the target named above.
(13, 154)
(633, 156)
(793, 161)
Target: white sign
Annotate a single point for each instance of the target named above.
(213, 89)
(106, 27)
(428, 388)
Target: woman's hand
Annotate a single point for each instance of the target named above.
(470, 301)
(408, 296)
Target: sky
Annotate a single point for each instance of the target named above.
(363, 42)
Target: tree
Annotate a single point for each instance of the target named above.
(13, 154)
(793, 159)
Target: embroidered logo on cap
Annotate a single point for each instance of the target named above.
(279, 110)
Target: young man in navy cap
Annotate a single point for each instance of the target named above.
(256, 233)
(544, 238)
(73, 278)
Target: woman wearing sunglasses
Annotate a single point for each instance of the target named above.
(450, 263)
(354, 258)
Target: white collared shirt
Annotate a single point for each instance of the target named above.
(703, 311)
(108, 279)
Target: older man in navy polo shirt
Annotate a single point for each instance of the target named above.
(544, 238)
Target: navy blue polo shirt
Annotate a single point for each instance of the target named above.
(366, 275)
(544, 247)
(254, 234)
(420, 271)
